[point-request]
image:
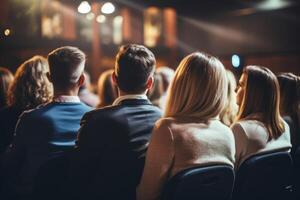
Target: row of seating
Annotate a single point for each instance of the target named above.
(261, 177)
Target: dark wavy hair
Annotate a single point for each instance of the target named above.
(6, 78)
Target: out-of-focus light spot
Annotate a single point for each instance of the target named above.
(273, 4)
(118, 19)
(108, 8)
(7, 32)
(235, 61)
(100, 18)
(90, 16)
(84, 7)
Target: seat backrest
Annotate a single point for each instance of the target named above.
(50, 181)
(296, 174)
(264, 176)
(211, 182)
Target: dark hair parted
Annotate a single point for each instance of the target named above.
(134, 65)
(65, 66)
(261, 98)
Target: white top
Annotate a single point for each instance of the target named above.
(129, 96)
(177, 145)
(66, 99)
(251, 137)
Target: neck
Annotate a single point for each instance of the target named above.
(121, 93)
(69, 92)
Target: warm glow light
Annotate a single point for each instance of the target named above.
(101, 18)
(7, 32)
(84, 7)
(90, 16)
(108, 8)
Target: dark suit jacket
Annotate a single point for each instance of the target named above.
(111, 148)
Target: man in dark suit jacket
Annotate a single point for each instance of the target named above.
(112, 141)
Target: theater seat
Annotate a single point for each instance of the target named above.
(296, 175)
(263, 177)
(51, 180)
(207, 183)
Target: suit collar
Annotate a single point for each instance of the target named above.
(135, 102)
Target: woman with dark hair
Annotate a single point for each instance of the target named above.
(29, 89)
(259, 127)
(6, 78)
(289, 104)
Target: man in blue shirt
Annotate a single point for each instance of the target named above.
(52, 127)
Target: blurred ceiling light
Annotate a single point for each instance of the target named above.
(90, 16)
(7, 32)
(108, 8)
(273, 4)
(101, 18)
(235, 61)
(84, 7)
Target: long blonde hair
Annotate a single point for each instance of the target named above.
(228, 115)
(199, 88)
(31, 86)
(261, 99)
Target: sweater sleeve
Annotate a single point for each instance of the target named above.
(158, 163)
(240, 143)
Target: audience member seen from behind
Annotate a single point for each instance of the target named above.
(85, 94)
(107, 91)
(156, 92)
(289, 104)
(50, 128)
(29, 89)
(259, 127)
(6, 78)
(190, 134)
(228, 115)
(167, 75)
(113, 140)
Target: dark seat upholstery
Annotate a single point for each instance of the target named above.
(205, 183)
(52, 177)
(265, 176)
(296, 175)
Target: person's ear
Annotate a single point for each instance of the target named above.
(150, 83)
(49, 77)
(114, 79)
(81, 80)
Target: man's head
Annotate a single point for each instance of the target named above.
(66, 66)
(134, 68)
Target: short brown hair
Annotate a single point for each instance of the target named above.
(64, 64)
(134, 65)
(262, 97)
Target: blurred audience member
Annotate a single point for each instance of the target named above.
(259, 127)
(190, 134)
(289, 104)
(156, 92)
(50, 128)
(85, 94)
(228, 115)
(6, 78)
(107, 91)
(167, 75)
(29, 89)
